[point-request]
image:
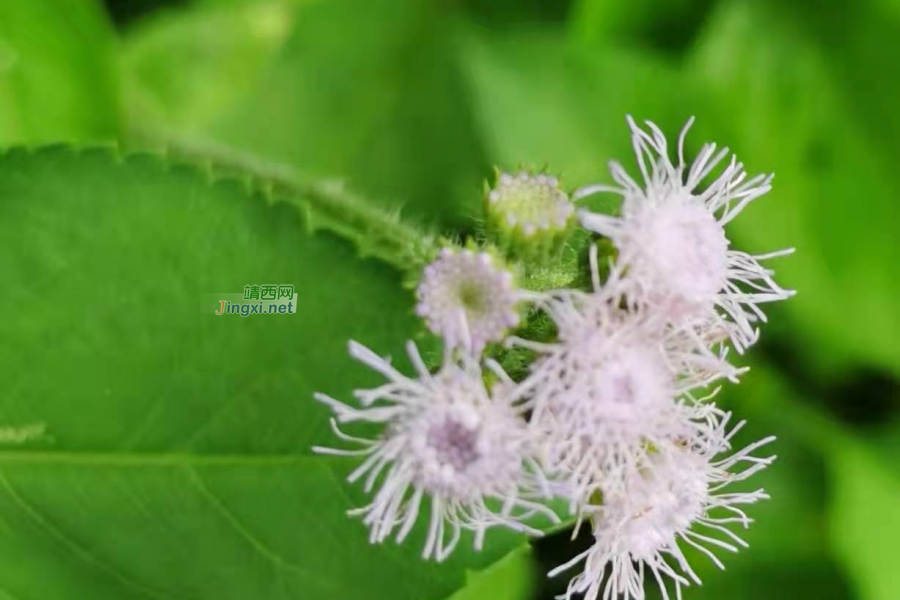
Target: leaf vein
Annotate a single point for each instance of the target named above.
(279, 561)
(73, 546)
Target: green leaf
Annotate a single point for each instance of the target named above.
(363, 91)
(176, 462)
(863, 66)
(511, 578)
(599, 22)
(57, 75)
(115, 259)
(183, 69)
(540, 101)
(865, 520)
(773, 100)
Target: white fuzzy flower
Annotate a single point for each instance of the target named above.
(467, 299)
(671, 236)
(448, 437)
(616, 384)
(675, 498)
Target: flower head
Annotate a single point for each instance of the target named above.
(467, 299)
(674, 498)
(447, 436)
(672, 240)
(613, 386)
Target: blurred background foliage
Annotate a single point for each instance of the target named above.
(413, 101)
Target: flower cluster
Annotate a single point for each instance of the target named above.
(612, 412)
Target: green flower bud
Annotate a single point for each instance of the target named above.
(528, 215)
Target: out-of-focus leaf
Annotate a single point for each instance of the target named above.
(890, 8)
(498, 14)
(370, 92)
(57, 75)
(185, 68)
(746, 578)
(887, 443)
(863, 66)
(771, 99)
(511, 578)
(542, 102)
(218, 3)
(601, 22)
(865, 520)
(175, 459)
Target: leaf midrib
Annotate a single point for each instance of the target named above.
(158, 459)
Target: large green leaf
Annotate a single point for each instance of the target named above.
(176, 462)
(57, 75)
(366, 91)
